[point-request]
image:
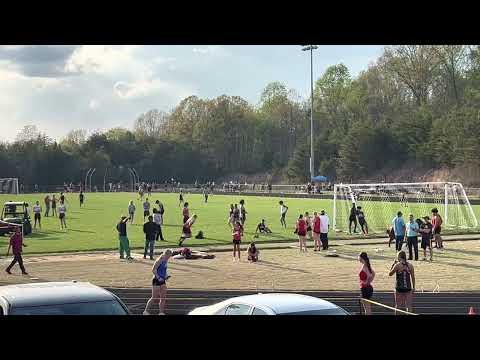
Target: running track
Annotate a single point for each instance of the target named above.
(180, 302)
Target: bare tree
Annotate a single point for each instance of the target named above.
(151, 124)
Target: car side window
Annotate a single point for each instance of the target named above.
(237, 309)
(258, 311)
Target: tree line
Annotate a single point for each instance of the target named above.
(416, 105)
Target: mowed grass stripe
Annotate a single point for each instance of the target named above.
(93, 226)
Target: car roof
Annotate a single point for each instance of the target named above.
(15, 203)
(282, 303)
(53, 293)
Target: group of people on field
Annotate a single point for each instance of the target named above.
(407, 232)
(310, 227)
(357, 217)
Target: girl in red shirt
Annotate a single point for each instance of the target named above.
(301, 230)
(366, 276)
(237, 238)
(316, 232)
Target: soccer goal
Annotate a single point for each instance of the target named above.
(381, 202)
(9, 186)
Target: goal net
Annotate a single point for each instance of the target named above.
(8, 186)
(381, 202)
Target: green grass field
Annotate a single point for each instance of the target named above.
(93, 227)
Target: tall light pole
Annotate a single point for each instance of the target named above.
(311, 48)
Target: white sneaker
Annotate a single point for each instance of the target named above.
(161, 313)
(146, 313)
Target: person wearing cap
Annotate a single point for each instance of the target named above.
(324, 228)
(426, 232)
(123, 238)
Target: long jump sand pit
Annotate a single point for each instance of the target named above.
(457, 268)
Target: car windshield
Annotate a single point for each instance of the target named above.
(334, 311)
(111, 307)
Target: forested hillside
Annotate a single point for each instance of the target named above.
(416, 106)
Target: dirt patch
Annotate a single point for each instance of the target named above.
(456, 268)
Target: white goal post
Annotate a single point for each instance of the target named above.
(9, 186)
(381, 202)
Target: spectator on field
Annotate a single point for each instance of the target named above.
(47, 205)
(131, 211)
(412, 230)
(399, 227)
(437, 228)
(324, 228)
(150, 229)
(157, 219)
(16, 244)
(426, 232)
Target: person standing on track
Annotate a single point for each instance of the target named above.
(237, 238)
(54, 205)
(159, 284)
(62, 209)
(47, 205)
(366, 276)
(131, 211)
(283, 213)
(146, 209)
(37, 214)
(404, 281)
(16, 244)
(324, 228)
(301, 231)
(185, 213)
(123, 238)
(437, 228)
(316, 232)
(399, 227)
(150, 230)
(81, 197)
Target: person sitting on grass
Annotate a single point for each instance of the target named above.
(263, 228)
(253, 253)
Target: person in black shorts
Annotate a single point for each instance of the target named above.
(366, 276)
(81, 197)
(404, 281)
(362, 221)
(426, 232)
(180, 198)
(352, 219)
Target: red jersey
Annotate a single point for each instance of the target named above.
(436, 222)
(16, 242)
(237, 232)
(316, 225)
(302, 226)
(186, 213)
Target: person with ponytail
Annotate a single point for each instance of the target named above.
(404, 282)
(366, 276)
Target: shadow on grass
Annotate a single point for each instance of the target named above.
(276, 266)
(83, 231)
(194, 266)
(466, 266)
(467, 252)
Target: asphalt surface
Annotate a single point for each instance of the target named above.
(180, 302)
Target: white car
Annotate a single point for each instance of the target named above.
(59, 298)
(271, 304)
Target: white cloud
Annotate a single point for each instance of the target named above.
(93, 104)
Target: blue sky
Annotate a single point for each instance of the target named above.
(60, 88)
